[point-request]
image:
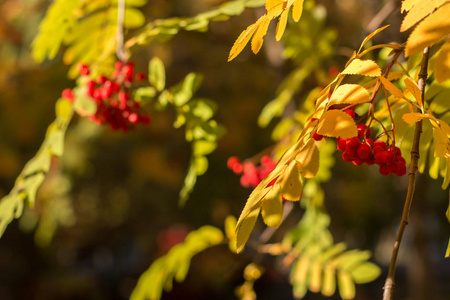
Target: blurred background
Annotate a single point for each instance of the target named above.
(109, 207)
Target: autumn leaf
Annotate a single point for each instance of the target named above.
(440, 142)
(431, 30)
(418, 11)
(391, 88)
(257, 40)
(349, 94)
(443, 63)
(297, 9)
(243, 39)
(414, 117)
(272, 207)
(309, 160)
(281, 26)
(362, 67)
(414, 89)
(336, 123)
(370, 36)
(291, 182)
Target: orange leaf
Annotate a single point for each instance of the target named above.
(297, 9)
(429, 31)
(443, 63)
(336, 123)
(391, 88)
(349, 94)
(371, 36)
(362, 67)
(309, 159)
(275, 8)
(271, 4)
(281, 26)
(408, 4)
(257, 40)
(414, 89)
(414, 117)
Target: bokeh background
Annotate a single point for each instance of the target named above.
(109, 207)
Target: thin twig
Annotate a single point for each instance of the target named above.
(390, 283)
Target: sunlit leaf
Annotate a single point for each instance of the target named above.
(419, 10)
(281, 26)
(349, 94)
(371, 35)
(272, 207)
(362, 67)
(257, 40)
(414, 89)
(329, 281)
(243, 39)
(336, 123)
(391, 88)
(440, 142)
(429, 31)
(309, 159)
(447, 253)
(414, 117)
(245, 228)
(443, 63)
(291, 182)
(297, 9)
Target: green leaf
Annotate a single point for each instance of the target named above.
(31, 186)
(329, 281)
(63, 110)
(233, 8)
(157, 73)
(201, 165)
(144, 94)
(189, 183)
(134, 18)
(365, 272)
(203, 147)
(184, 92)
(346, 285)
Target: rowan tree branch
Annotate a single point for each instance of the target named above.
(390, 282)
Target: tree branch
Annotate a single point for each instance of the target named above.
(390, 283)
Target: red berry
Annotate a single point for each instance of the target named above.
(364, 151)
(363, 130)
(140, 76)
(370, 142)
(317, 136)
(68, 94)
(380, 144)
(353, 143)
(133, 118)
(351, 113)
(377, 149)
(232, 161)
(401, 170)
(83, 69)
(400, 159)
(349, 154)
(342, 144)
(127, 71)
(101, 79)
(384, 170)
(357, 161)
(387, 157)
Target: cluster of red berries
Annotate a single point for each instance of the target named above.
(252, 175)
(115, 106)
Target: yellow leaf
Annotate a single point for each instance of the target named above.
(243, 39)
(414, 117)
(396, 75)
(336, 123)
(418, 11)
(272, 207)
(362, 67)
(297, 10)
(274, 9)
(429, 31)
(391, 88)
(315, 280)
(257, 40)
(291, 183)
(371, 36)
(346, 285)
(308, 158)
(440, 142)
(414, 89)
(281, 26)
(445, 127)
(443, 63)
(245, 227)
(349, 94)
(408, 4)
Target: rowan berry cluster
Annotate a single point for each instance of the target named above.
(252, 174)
(362, 149)
(115, 107)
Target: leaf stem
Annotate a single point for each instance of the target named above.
(390, 283)
(120, 49)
